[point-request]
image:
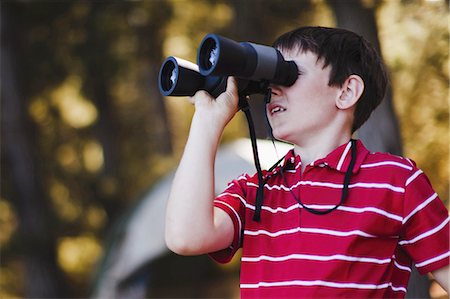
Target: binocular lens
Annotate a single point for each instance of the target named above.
(213, 56)
(168, 81)
(173, 77)
(209, 54)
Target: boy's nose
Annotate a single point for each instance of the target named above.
(276, 89)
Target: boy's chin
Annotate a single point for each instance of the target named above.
(279, 136)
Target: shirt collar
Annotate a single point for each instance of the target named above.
(339, 159)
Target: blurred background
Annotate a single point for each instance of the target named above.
(88, 145)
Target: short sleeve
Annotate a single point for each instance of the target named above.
(425, 232)
(232, 201)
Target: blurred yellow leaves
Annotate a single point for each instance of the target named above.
(178, 46)
(95, 217)
(78, 255)
(418, 60)
(89, 157)
(70, 209)
(183, 34)
(11, 281)
(8, 222)
(93, 156)
(67, 157)
(64, 206)
(75, 110)
(39, 110)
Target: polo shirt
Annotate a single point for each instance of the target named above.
(391, 218)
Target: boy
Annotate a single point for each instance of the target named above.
(336, 220)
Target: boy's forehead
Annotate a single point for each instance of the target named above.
(297, 52)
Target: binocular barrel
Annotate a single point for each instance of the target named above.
(179, 77)
(219, 56)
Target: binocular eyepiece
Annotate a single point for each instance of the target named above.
(255, 66)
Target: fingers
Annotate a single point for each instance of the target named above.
(230, 95)
(232, 86)
(230, 92)
(200, 96)
(221, 109)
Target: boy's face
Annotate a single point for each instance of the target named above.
(306, 109)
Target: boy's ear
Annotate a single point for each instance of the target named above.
(350, 92)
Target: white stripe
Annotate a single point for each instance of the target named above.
(233, 195)
(410, 162)
(378, 186)
(229, 186)
(344, 154)
(420, 207)
(279, 209)
(426, 234)
(309, 230)
(321, 283)
(365, 209)
(339, 257)
(318, 207)
(331, 185)
(241, 177)
(336, 233)
(236, 214)
(393, 163)
(341, 208)
(415, 175)
(326, 207)
(432, 260)
(275, 234)
(402, 267)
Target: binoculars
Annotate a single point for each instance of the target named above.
(254, 66)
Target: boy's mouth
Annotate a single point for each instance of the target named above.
(274, 109)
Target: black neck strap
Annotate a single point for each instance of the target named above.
(344, 194)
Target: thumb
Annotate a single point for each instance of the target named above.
(230, 95)
(232, 88)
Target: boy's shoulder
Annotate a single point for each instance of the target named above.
(390, 162)
(388, 157)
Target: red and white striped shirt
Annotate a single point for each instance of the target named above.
(364, 249)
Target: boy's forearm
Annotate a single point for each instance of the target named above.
(442, 276)
(192, 226)
(190, 217)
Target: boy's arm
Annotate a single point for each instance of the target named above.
(442, 277)
(193, 225)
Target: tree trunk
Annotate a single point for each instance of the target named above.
(258, 21)
(35, 246)
(381, 132)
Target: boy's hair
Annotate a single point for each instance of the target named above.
(347, 53)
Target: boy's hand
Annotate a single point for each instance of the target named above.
(218, 111)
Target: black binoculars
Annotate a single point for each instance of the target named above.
(254, 66)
